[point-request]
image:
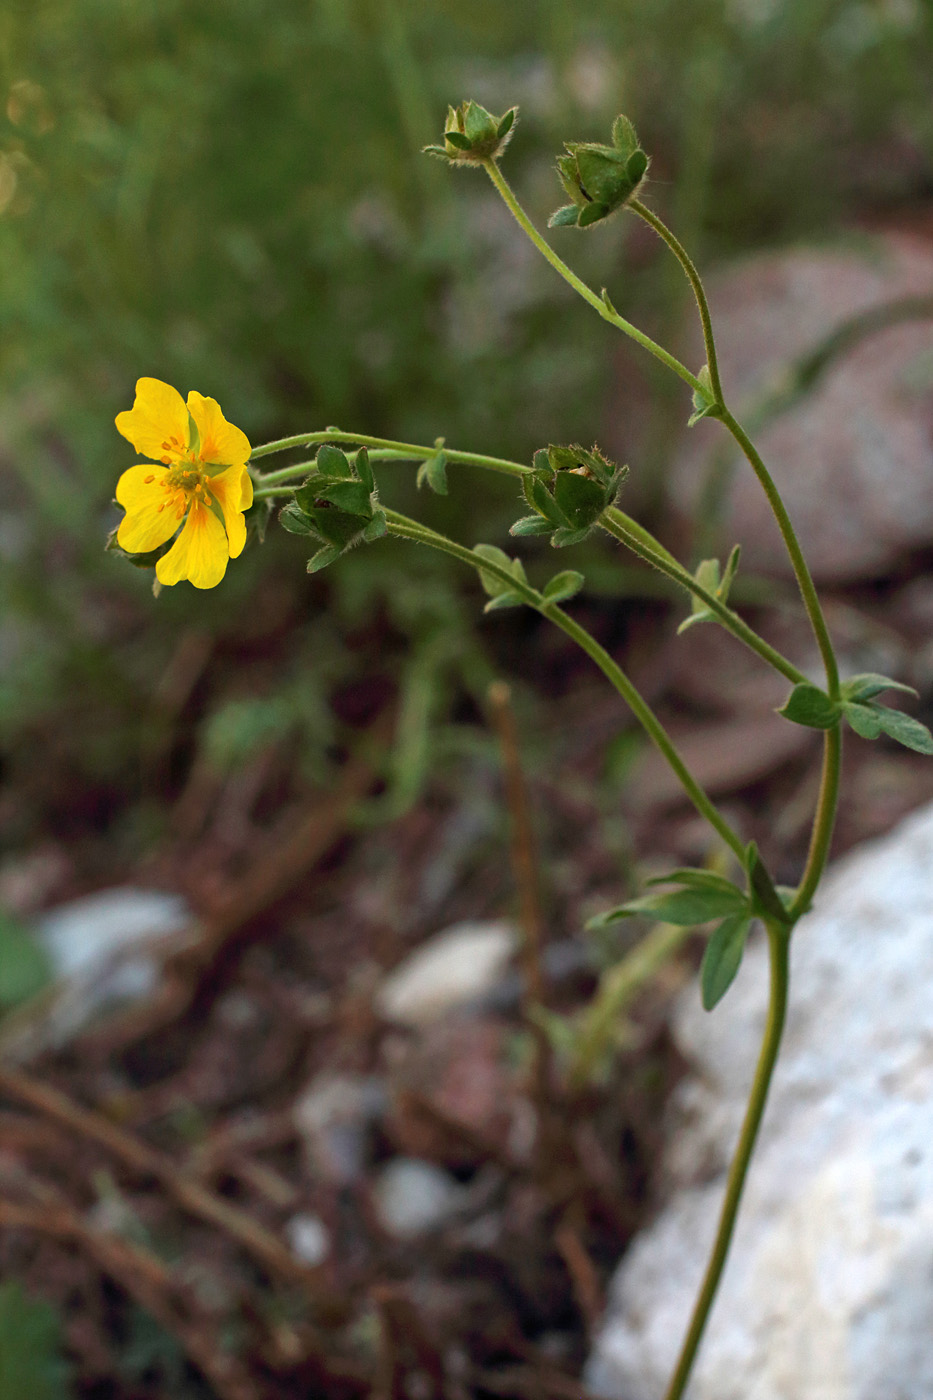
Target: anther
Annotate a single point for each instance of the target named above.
(149, 478)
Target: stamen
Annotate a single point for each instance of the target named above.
(162, 507)
(180, 511)
(149, 478)
(166, 461)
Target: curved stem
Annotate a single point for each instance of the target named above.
(599, 304)
(401, 451)
(779, 948)
(801, 572)
(693, 276)
(640, 542)
(823, 822)
(409, 529)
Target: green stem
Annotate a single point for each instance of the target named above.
(400, 451)
(409, 529)
(779, 948)
(805, 582)
(640, 542)
(823, 822)
(599, 304)
(693, 276)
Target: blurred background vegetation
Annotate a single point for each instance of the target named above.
(231, 197)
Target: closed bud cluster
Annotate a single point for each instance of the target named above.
(473, 135)
(568, 490)
(600, 179)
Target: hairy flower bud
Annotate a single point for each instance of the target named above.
(473, 135)
(600, 179)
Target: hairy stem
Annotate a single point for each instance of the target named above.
(778, 947)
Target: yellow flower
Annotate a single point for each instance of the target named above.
(201, 479)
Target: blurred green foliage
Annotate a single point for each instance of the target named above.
(231, 197)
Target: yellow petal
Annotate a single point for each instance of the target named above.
(158, 416)
(221, 442)
(144, 526)
(200, 552)
(233, 497)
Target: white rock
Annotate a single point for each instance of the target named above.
(104, 948)
(308, 1238)
(412, 1197)
(453, 968)
(828, 1291)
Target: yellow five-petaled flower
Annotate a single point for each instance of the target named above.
(201, 479)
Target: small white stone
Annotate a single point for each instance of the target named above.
(333, 1117)
(412, 1197)
(450, 970)
(308, 1238)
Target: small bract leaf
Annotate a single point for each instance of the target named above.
(722, 958)
(565, 537)
(458, 139)
(505, 125)
(563, 586)
(561, 218)
(531, 525)
(294, 520)
(364, 471)
(504, 600)
(623, 135)
(810, 706)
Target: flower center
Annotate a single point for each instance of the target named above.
(185, 484)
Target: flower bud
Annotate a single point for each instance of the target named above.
(473, 135)
(600, 179)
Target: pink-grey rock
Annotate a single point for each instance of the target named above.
(854, 458)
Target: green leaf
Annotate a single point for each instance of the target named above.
(433, 470)
(607, 303)
(865, 686)
(492, 585)
(704, 400)
(567, 215)
(694, 879)
(330, 461)
(563, 586)
(905, 730)
(564, 537)
(323, 557)
(306, 495)
(543, 501)
(722, 958)
(31, 1364)
(810, 706)
(864, 719)
(531, 525)
(24, 967)
(364, 470)
(541, 462)
(294, 520)
(684, 907)
(635, 167)
(349, 496)
(457, 138)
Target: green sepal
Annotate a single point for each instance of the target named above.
(306, 495)
(810, 706)
(869, 720)
(607, 302)
(376, 528)
(564, 217)
(684, 907)
(505, 124)
(336, 526)
(704, 400)
(433, 470)
(563, 586)
(478, 124)
(437, 151)
(458, 139)
(541, 463)
(581, 500)
(364, 469)
(325, 556)
(531, 525)
(623, 136)
(765, 900)
(635, 168)
(602, 173)
(870, 684)
(723, 958)
(591, 214)
(542, 501)
(293, 519)
(330, 461)
(504, 600)
(349, 496)
(564, 537)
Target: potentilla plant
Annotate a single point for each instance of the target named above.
(184, 516)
